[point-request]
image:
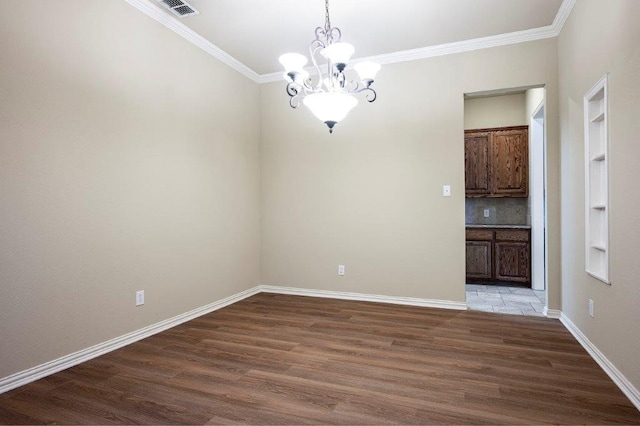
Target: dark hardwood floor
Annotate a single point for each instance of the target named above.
(275, 359)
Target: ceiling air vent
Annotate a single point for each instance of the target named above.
(179, 8)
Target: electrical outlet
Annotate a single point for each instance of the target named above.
(340, 270)
(591, 308)
(486, 212)
(139, 297)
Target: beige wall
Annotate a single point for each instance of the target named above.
(602, 37)
(495, 111)
(533, 99)
(129, 160)
(370, 195)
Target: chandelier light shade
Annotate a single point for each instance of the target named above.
(293, 62)
(328, 94)
(367, 70)
(330, 107)
(338, 53)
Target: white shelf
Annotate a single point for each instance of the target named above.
(597, 118)
(599, 276)
(596, 141)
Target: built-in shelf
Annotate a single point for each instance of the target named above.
(596, 141)
(599, 117)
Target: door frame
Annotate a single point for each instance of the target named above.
(537, 194)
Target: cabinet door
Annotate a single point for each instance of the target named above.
(513, 261)
(510, 162)
(476, 164)
(479, 260)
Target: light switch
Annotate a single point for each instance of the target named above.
(446, 190)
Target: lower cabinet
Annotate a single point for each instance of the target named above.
(496, 254)
(479, 260)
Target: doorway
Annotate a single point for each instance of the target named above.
(503, 229)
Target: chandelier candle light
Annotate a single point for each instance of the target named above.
(330, 98)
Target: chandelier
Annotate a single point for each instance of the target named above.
(328, 95)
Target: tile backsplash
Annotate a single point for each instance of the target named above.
(502, 211)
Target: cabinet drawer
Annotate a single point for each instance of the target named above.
(479, 234)
(512, 235)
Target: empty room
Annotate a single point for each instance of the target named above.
(319, 212)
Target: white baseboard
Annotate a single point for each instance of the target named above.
(62, 363)
(32, 374)
(551, 313)
(618, 378)
(412, 301)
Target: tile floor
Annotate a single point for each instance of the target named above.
(505, 300)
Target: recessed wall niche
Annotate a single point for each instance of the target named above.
(596, 144)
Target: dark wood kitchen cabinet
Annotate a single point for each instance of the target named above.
(513, 258)
(479, 254)
(497, 162)
(476, 163)
(498, 254)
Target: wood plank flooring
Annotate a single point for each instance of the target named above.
(276, 359)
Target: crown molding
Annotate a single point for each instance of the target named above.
(156, 13)
(532, 34)
(524, 36)
(444, 49)
(563, 14)
(465, 46)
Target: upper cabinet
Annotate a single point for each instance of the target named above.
(476, 163)
(497, 162)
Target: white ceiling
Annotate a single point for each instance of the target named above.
(257, 32)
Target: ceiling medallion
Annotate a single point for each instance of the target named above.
(330, 97)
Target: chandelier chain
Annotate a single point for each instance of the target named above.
(327, 21)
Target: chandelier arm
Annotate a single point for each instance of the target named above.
(356, 87)
(340, 79)
(331, 76)
(359, 87)
(315, 46)
(293, 90)
(334, 35)
(371, 92)
(307, 87)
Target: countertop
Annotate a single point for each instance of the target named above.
(468, 225)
